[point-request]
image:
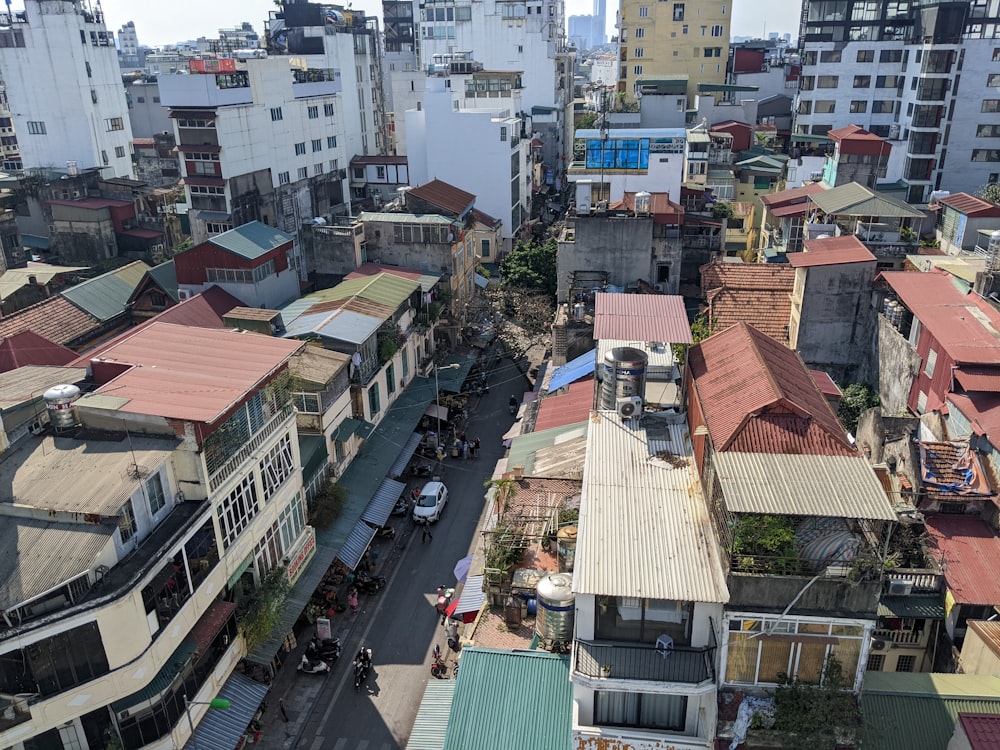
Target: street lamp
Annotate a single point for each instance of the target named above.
(437, 397)
(219, 704)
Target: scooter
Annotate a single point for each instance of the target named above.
(401, 507)
(368, 584)
(313, 666)
(439, 668)
(444, 595)
(327, 649)
(420, 470)
(512, 405)
(386, 532)
(361, 670)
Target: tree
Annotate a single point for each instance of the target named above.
(531, 266)
(586, 121)
(990, 192)
(857, 399)
(263, 611)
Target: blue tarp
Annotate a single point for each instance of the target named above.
(574, 370)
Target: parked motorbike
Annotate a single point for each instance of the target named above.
(419, 470)
(326, 649)
(439, 668)
(401, 507)
(386, 532)
(313, 666)
(368, 584)
(512, 405)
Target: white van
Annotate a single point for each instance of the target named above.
(433, 497)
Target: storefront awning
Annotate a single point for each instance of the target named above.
(356, 545)
(223, 729)
(436, 411)
(405, 454)
(450, 381)
(161, 680)
(383, 501)
(471, 600)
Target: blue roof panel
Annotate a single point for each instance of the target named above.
(573, 370)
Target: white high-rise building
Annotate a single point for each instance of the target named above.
(128, 40)
(65, 89)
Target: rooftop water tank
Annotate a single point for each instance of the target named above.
(556, 605)
(59, 400)
(624, 375)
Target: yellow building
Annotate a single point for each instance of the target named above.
(670, 40)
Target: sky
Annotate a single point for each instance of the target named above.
(159, 23)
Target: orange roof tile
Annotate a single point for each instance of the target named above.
(775, 277)
(754, 293)
(439, 193)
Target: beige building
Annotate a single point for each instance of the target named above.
(673, 40)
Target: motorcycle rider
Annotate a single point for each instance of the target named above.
(364, 658)
(512, 404)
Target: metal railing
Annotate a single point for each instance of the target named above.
(902, 637)
(922, 580)
(14, 709)
(237, 459)
(645, 662)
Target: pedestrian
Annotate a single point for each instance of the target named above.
(352, 599)
(465, 450)
(425, 533)
(475, 447)
(281, 708)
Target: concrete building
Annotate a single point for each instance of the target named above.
(130, 55)
(683, 41)
(137, 605)
(599, 24)
(60, 69)
(156, 160)
(441, 139)
(966, 223)
(148, 116)
(376, 180)
(890, 68)
(831, 322)
(579, 30)
(859, 156)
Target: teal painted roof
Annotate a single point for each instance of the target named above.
(506, 699)
(105, 296)
(919, 607)
(165, 276)
(251, 240)
(432, 716)
(524, 447)
(312, 451)
(162, 679)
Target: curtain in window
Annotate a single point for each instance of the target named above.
(773, 658)
(616, 708)
(663, 711)
(742, 657)
(812, 658)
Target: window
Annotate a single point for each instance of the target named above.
(805, 107)
(237, 510)
(988, 131)
(888, 82)
(484, 248)
(679, 12)
(503, 133)
(906, 663)
(154, 494)
(328, 110)
(276, 114)
(374, 404)
(114, 123)
(90, 72)
(643, 710)
(640, 33)
(642, 620)
(120, 151)
(318, 168)
(306, 403)
(831, 56)
(985, 154)
(313, 113)
(684, 29)
(825, 106)
(141, 99)
(283, 178)
(276, 466)
(300, 148)
(390, 378)
(890, 56)
(126, 522)
(639, 52)
(858, 106)
(866, 55)
(862, 82)
(637, 70)
(93, 95)
(717, 30)
(882, 107)
(875, 662)
(406, 362)
(930, 363)
(317, 144)
(303, 172)
(643, 12)
(827, 82)
(331, 141)
(993, 80)
(292, 521)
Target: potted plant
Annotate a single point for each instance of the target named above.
(605, 669)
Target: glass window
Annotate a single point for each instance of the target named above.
(313, 112)
(154, 494)
(374, 404)
(678, 11)
(237, 510)
(390, 378)
(300, 148)
(866, 55)
(306, 403)
(126, 522)
(643, 710)
(862, 82)
(292, 521)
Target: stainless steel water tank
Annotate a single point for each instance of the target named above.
(624, 375)
(556, 604)
(59, 401)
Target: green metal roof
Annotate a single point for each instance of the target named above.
(903, 711)
(524, 447)
(809, 138)
(918, 607)
(676, 85)
(348, 427)
(313, 455)
(432, 716)
(162, 680)
(506, 699)
(710, 87)
(450, 381)
(384, 288)
(165, 276)
(853, 199)
(105, 296)
(251, 240)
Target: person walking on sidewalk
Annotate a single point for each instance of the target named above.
(475, 447)
(425, 533)
(352, 599)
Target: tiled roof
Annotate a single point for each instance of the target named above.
(448, 197)
(970, 205)
(963, 325)
(755, 293)
(56, 318)
(952, 472)
(251, 240)
(831, 251)
(107, 295)
(758, 397)
(853, 133)
(484, 218)
(982, 730)
(825, 384)
(569, 408)
(749, 276)
(968, 548)
(641, 317)
(29, 348)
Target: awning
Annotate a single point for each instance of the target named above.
(472, 599)
(405, 454)
(431, 723)
(918, 607)
(192, 114)
(481, 281)
(313, 454)
(35, 242)
(223, 729)
(973, 378)
(450, 381)
(356, 545)
(162, 680)
(202, 181)
(808, 138)
(383, 501)
(347, 428)
(435, 411)
(574, 370)
(211, 624)
(514, 431)
(205, 148)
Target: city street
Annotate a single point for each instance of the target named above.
(400, 623)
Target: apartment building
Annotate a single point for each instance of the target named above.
(922, 74)
(686, 41)
(121, 598)
(60, 69)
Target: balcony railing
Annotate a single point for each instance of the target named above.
(685, 664)
(900, 637)
(14, 709)
(252, 445)
(922, 580)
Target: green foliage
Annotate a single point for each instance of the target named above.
(907, 548)
(531, 265)
(857, 399)
(990, 192)
(390, 339)
(264, 611)
(327, 504)
(622, 103)
(773, 536)
(504, 549)
(722, 210)
(586, 121)
(701, 329)
(817, 717)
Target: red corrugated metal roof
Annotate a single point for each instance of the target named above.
(853, 133)
(757, 396)
(973, 378)
(790, 210)
(831, 251)
(439, 193)
(192, 374)
(963, 325)
(568, 408)
(30, 348)
(773, 277)
(981, 409)
(793, 195)
(968, 549)
(641, 317)
(970, 205)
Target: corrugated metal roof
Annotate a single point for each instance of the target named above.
(36, 556)
(968, 549)
(654, 540)
(793, 195)
(574, 370)
(380, 507)
(385, 288)
(406, 452)
(506, 699)
(973, 378)
(313, 455)
(988, 632)
(339, 325)
(646, 317)
(572, 407)
(426, 279)
(831, 251)
(920, 607)
(17, 278)
(473, 597)
(801, 485)
(165, 276)
(28, 348)
(188, 373)
(523, 448)
(432, 717)
(395, 217)
(251, 240)
(357, 542)
(222, 730)
(970, 205)
(853, 199)
(443, 195)
(451, 380)
(906, 711)
(162, 679)
(106, 296)
(29, 382)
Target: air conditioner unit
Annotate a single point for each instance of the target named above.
(630, 406)
(658, 288)
(898, 587)
(878, 644)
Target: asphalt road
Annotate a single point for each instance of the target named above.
(400, 623)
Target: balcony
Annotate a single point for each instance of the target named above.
(900, 637)
(685, 664)
(14, 710)
(235, 461)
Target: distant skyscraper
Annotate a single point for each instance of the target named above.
(580, 27)
(599, 23)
